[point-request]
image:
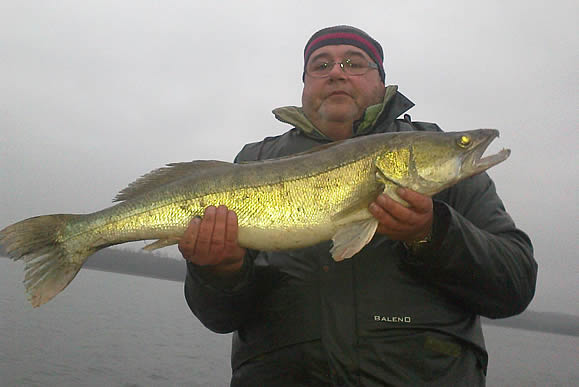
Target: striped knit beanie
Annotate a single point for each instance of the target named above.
(346, 35)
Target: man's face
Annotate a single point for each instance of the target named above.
(340, 97)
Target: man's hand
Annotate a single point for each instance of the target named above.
(401, 223)
(211, 242)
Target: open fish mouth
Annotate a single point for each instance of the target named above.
(478, 163)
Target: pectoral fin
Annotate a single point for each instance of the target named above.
(352, 237)
(390, 188)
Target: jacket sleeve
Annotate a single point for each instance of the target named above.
(478, 256)
(221, 305)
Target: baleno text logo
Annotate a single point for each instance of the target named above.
(393, 319)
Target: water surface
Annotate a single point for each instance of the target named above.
(121, 330)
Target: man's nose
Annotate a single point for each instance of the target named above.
(337, 72)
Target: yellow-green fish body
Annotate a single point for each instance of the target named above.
(284, 203)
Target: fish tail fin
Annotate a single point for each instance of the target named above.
(50, 266)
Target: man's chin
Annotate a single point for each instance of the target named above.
(341, 108)
(337, 115)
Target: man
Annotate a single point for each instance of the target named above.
(405, 309)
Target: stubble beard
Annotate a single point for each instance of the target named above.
(342, 112)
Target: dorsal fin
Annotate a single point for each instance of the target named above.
(165, 175)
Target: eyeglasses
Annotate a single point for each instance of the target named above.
(351, 66)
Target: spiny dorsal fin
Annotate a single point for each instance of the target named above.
(165, 175)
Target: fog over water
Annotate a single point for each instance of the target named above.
(97, 93)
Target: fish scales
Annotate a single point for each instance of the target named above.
(291, 203)
(282, 195)
(306, 204)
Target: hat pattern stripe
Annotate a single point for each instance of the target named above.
(346, 36)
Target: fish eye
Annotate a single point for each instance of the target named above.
(464, 141)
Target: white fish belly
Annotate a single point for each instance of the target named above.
(284, 239)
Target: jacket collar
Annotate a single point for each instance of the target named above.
(393, 105)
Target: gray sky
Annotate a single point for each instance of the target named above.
(94, 94)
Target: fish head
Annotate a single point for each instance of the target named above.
(428, 162)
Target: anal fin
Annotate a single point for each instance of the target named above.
(161, 243)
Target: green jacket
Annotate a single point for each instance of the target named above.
(386, 316)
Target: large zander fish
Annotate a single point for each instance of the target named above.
(283, 203)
